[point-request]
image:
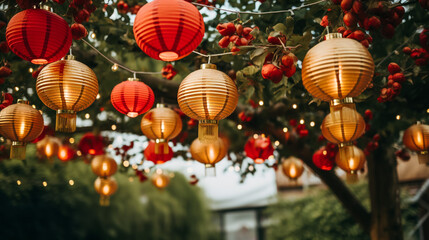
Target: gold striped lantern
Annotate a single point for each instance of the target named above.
(293, 167)
(103, 166)
(350, 159)
(161, 124)
(337, 68)
(208, 153)
(48, 147)
(416, 138)
(106, 187)
(67, 86)
(20, 123)
(207, 95)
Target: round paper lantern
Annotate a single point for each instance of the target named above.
(103, 166)
(344, 124)
(106, 187)
(91, 144)
(259, 149)
(38, 36)
(160, 157)
(208, 153)
(207, 95)
(416, 138)
(66, 153)
(161, 124)
(350, 158)
(48, 147)
(322, 160)
(20, 123)
(67, 86)
(132, 97)
(293, 167)
(337, 68)
(160, 180)
(168, 30)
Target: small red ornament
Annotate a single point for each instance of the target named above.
(66, 153)
(160, 157)
(168, 30)
(91, 144)
(322, 159)
(259, 149)
(38, 36)
(168, 72)
(132, 97)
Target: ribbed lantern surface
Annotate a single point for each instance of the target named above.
(132, 97)
(161, 123)
(20, 123)
(38, 36)
(157, 157)
(293, 167)
(343, 124)
(208, 153)
(103, 166)
(168, 30)
(67, 86)
(416, 138)
(105, 187)
(337, 68)
(350, 159)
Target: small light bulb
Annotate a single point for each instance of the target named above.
(115, 67)
(239, 126)
(255, 136)
(18, 182)
(325, 152)
(312, 124)
(301, 121)
(41, 112)
(251, 168)
(44, 183)
(16, 88)
(87, 115)
(98, 96)
(71, 182)
(261, 103)
(126, 163)
(285, 129)
(34, 106)
(294, 106)
(113, 127)
(276, 143)
(110, 146)
(30, 70)
(398, 117)
(427, 110)
(93, 35)
(71, 140)
(79, 153)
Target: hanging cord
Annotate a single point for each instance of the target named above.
(291, 11)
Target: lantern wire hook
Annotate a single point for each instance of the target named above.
(134, 75)
(209, 59)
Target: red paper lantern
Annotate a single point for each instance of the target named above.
(132, 97)
(322, 159)
(66, 153)
(168, 30)
(91, 144)
(38, 36)
(259, 149)
(160, 157)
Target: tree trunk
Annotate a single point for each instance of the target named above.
(384, 192)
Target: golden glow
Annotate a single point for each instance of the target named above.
(34, 106)
(131, 179)
(255, 136)
(398, 117)
(301, 121)
(294, 106)
(427, 110)
(212, 154)
(261, 103)
(98, 96)
(276, 143)
(87, 116)
(30, 70)
(44, 183)
(239, 126)
(93, 35)
(126, 163)
(162, 127)
(16, 88)
(22, 129)
(106, 189)
(134, 166)
(292, 171)
(115, 67)
(271, 157)
(18, 182)
(49, 151)
(312, 124)
(159, 181)
(71, 140)
(71, 182)
(104, 166)
(353, 164)
(79, 153)
(113, 127)
(325, 152)
(285, 129)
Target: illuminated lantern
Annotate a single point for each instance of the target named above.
(91, 144)
(160, 180)
(157, 158)
(208, 153)
(351, 159)
(161, 124)
(66, 153)
(416, 138)
(259, 148)
(322, 159)
(38, 36)
(67, 86)
(207, 95)
(168, 30)
(106, 187)
(103, 166)
(293, 167)
(132, 97)
(20, 123)
(48, 147)
(337, 68)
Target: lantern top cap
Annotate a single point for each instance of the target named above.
(69, 57)
(44, 7)
(335, 102)
(208, 66)
(23, 101)
(333, 35)
(160, 105)
(133, 79)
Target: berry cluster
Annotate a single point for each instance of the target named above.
(357, 35)
(235, 34)
(420, 55)
(4, 73)
(7, 100)
(142, 177)
(367, 117)
(299, 128)
(372, 145)
(168, 72)
(395, 79)
(245, 117)
(124, 8)
(403, 154)
(78, 31)
(275, 66)
(81, 10)
(324, 158)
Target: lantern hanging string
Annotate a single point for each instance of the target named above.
(291, 11)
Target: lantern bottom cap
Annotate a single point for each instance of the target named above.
(168, 56)
(208, 132)
(423, 158)
(39, 61)
(104, 201)
(66, 121)
(259, 161)
(210, 170)
(17, 150)
(132, 114)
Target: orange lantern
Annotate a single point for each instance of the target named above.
(416, 138)
(161, 124)
(160, 180)
(48, 147)
(106, 187)
(20, 123)
(103, 166)
(67, 86)
(168, 30)
(207, 95)
(350, 159)
(337, 68)
(208, 153)
(66, 153)
(293, 167)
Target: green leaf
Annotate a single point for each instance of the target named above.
(280, 27)
(250, 70)
(289, 25)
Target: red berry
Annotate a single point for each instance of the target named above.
(390, 82)
(288, 60)
(372, 23)
(268, 58)
(358, 7)
(346, 5)
(5, 72)
(224, 42)
(400, 10)
(368, 114)
(325, 21)
(350, 20)
(341, 30)
(388, 31)
(226, 29)
(393, 68)
(82, 16)
(359, 35)
(293, 122)
(235, 50)
(78, 31)
(396, 86)
(247, 31)
(303, 132)
(399, 77)
(271, 72)
(239, 29)
(347, 33)
(365, 43)
(4, 47)
(406, 50)
(289, 72)
(376, 137)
